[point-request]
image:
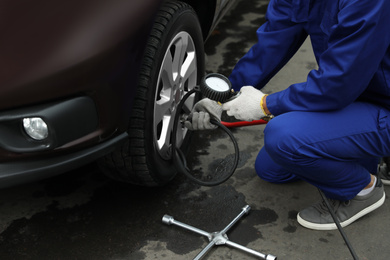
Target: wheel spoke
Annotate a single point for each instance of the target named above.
(180, 53)
(188, 104)
(189, 70)
(167, 74)
(178, 75)
(164, 141)
(162, 108)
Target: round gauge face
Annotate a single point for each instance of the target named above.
(217, 84)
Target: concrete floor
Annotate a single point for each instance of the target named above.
(83, 215)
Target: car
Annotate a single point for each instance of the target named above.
(98, 81)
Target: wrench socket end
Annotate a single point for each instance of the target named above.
(168, 219)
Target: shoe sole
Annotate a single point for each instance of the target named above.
(333, 226)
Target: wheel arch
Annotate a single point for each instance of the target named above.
(206, 11)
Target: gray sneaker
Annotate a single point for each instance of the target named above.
(384, 174)
(318, 217)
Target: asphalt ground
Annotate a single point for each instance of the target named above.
(84, 215)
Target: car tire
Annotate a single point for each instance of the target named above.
(173, 64)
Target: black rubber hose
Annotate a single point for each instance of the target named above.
(336, 221)
(179, 159)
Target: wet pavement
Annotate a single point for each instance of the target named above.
(84, 215)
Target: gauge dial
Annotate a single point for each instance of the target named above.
(216, 87)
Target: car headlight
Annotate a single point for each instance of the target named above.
(36, 128)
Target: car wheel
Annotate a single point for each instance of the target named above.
(173, 64)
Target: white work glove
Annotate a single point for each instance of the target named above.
(246, 106)
(199, 118)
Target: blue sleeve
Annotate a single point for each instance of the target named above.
(278, 40)
(357, 44)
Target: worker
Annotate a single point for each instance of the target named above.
(330, 130)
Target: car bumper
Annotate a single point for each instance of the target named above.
(67, 121)
(75, 138)
(21, 171)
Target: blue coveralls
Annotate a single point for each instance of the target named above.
(331, 129)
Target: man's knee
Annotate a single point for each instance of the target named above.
(280, 140)
(263, 167)
(269, 171)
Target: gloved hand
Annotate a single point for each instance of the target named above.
(246, 106)
(199, 119)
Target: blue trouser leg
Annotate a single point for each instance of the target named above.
(335, 151)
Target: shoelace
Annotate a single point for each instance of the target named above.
(321, 206)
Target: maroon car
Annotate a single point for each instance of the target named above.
(87, 80)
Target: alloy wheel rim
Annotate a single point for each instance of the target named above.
(178, 75)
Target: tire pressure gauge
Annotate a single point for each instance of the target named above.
(217, 87)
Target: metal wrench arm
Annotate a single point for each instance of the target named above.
(250, 251)
(170, 220)
(205, 250)
(245, 210)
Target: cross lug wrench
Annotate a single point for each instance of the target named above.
(218, 238)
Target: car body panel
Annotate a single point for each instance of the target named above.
(47, 38)
(53, 51)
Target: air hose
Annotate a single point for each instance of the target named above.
(179, 157)
(221, 91)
